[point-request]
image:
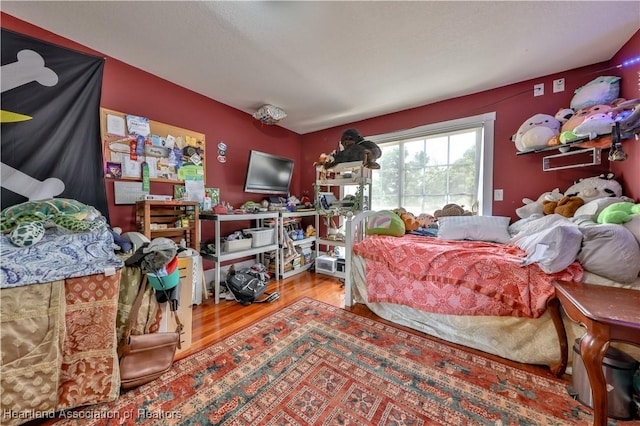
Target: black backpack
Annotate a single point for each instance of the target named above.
(247, 289)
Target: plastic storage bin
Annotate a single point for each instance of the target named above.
(326, 264)
(260, 236)
(618, 368)
(236, 245)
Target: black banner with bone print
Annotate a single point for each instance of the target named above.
(50, 144)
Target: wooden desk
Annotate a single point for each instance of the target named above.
(608, 313)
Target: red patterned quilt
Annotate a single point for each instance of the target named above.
(58, 346)
(457, 277)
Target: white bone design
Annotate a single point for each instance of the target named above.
(23, 184)
(29, 67)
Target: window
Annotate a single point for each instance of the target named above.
(424, 168)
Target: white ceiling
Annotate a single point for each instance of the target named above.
(331, 63)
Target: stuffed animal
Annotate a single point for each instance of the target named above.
(566, 207)
(355, 148)
(618, 213)
(564, 114)
(305, 200)
(425, 220)
(629, 116)
(310, 231)
(602, 90)
(536, 207)
(536, 132)
(410, 221)
(567, 131)
(27, 221)
(583, 191)
(452, 210)
(323, 158)
(594, 125)
(595, 187)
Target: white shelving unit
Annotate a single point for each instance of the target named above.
(221, 256)
(283, 219)
(344, 174)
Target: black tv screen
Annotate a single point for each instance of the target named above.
(268, 173)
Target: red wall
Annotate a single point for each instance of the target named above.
(520, 176)
(131, 90)
(629, 171)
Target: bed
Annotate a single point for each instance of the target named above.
(497, 297)
(58, 310)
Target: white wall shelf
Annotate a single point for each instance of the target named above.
(341, 175)
(284, 219)
(219, 256)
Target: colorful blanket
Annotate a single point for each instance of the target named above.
(58, 346)
(59, 342)
(58, 256)
(457, 277)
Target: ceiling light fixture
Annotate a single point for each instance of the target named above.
(269, 114)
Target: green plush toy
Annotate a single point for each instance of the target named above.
(618, 213)
(25, 223)
(385, 222)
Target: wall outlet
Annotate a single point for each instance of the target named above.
(558, 85)
(498, 194)
(538, 89)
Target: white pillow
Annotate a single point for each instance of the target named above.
(554, 248)
(634, 226)
(518, 225)
(478, 228)
(610, 250)
(593, 208)
(531, 227)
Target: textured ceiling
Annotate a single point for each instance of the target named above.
(331, 63)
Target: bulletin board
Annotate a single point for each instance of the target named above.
(171, 154)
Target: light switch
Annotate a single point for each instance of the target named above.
(498, 194)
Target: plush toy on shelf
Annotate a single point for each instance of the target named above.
(310, 231)
(353, 148)
(594, 125)
(601, 90)
(602, 116)
(536, 132)
(595, 106)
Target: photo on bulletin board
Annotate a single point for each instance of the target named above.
(179, 192)
(113, 170)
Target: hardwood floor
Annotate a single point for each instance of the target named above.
(212, 322)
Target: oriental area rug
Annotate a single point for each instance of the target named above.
(315, 364)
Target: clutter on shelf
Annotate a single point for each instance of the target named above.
(595, 116)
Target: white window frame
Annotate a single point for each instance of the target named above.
(486, 121)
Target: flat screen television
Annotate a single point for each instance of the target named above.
(268, 173)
